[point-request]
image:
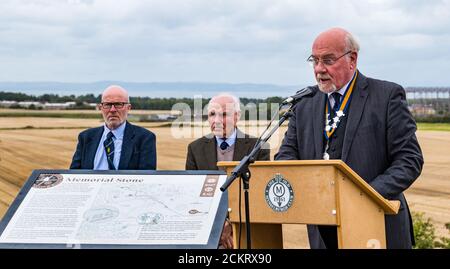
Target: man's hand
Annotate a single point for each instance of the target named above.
(226, 238)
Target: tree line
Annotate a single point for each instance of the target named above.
(441, 106)
(147, 103)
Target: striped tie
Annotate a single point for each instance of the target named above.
(337, 101)
(109, 149)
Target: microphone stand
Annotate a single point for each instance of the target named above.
(243, 172)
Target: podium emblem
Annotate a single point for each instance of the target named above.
(279, 193)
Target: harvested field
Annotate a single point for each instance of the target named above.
(52, 146)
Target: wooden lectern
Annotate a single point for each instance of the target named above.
(325, 192)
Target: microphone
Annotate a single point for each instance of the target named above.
(297, 96)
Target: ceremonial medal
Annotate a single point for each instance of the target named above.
(332, 121)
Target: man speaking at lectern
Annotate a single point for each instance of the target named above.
(364, 122)
(117, 145)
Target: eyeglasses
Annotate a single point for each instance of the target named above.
(118, 105)
(314, 61)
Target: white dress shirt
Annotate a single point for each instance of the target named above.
(230, 140)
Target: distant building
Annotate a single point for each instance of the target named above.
(7, 103)
(28, 104)
(161, 117)
(422, 110)
(427, 93)
(56, 106)
(166, 117)
(39, 105)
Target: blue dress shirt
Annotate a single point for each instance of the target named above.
(100, 161)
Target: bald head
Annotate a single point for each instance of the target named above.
(335, 54)
(341, 38)
(115, 92)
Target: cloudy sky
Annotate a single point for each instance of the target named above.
(234, 41)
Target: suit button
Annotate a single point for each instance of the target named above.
(333, 149)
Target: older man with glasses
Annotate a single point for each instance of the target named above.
(118, 144)
(363, 121)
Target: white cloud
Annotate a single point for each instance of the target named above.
(213, 40)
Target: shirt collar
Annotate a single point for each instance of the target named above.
(230, 140)
(118, 132)
(343, 89)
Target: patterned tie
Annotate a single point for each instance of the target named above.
(224, 145)
(109, 149)
(337, 101)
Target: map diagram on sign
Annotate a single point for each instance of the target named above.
(144, 211)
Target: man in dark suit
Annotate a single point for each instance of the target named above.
(117, 145)
(363, 121)
(225, 143)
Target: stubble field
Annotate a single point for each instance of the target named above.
(49, 143)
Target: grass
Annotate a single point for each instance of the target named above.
(44, 128)
(52, 115)
(92, 114)
(434, 126)
(76, 114)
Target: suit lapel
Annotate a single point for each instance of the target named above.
(91, 148)
(210, 152)
(318, 123)
(356, 110)
(127, 146)
(240, 148)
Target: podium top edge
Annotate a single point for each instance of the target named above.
(285, 162)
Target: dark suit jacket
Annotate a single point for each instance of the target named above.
(379, 144)
(138, 149)
(202, 153)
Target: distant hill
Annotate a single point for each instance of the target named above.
(153, 89)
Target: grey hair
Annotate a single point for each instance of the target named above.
(236, 101)
(351, 43)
